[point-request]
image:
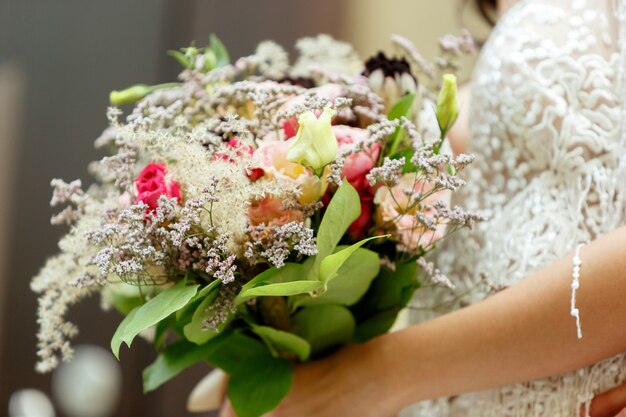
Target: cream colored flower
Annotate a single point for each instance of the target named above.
(315, 144)
(447, 104)
(272, 158)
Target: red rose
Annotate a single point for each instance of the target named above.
(359, 227)
(152, 184)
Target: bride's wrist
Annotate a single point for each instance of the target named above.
(384, 365)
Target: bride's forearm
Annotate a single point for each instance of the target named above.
(523, 333)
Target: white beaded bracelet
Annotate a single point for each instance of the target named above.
(576, 263)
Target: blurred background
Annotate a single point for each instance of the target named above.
(58, 62)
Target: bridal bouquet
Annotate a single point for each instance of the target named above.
(259, 214)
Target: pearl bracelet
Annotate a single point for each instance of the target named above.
(576, 263)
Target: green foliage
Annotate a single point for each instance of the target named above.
(152, 312)
(344, 208)
(324, 326)
(161, 331)
(330, 265)
(403, 108)
(328, 282)
(222, 58)
(353, 279)
(136, 92)
(289, 273)
(284, 289)
(279, 342)
(214, 55)
(125, 303)
(175, 359)
(185, 314)
(390, 292)
(262, 386)
(377, 325)
(407, 154)
(184, 58)
(258, 380)
(196, 331)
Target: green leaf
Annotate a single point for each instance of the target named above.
(344, 208)
(390, 292)
(222, 57)
(119, 334)
(331, 264)
(173, 360)
(352, 281)
(375, 326)
(279, 341)
(281, 289)
(289, 272)
(125, 303)
(407, 154)
(232, 350)
(161, 331)
(210, 61)
(324, 326)
(180, 58)
(261, 387)
(258, 381)
(152, 312)
(184, 314)
(195, 331)
(404, 107)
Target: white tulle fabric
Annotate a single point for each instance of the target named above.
(547, 128)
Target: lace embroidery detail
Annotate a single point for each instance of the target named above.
(550, 168)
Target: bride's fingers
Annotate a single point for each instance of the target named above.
(227, 410)
(610, 404)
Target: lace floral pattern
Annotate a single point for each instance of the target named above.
(547, 132)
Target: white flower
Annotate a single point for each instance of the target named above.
(315, 144)
(447, 105)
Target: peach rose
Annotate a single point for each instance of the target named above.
(395, 214)
(269, 211)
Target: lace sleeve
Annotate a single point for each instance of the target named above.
(546, 127)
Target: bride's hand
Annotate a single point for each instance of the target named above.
(610, 404)
(347, 383)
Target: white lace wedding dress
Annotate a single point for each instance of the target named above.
(547, 118)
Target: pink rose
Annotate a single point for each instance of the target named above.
(396, 212)
(357, 165)
(269, 211)
(290, 127)
(151, 184)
